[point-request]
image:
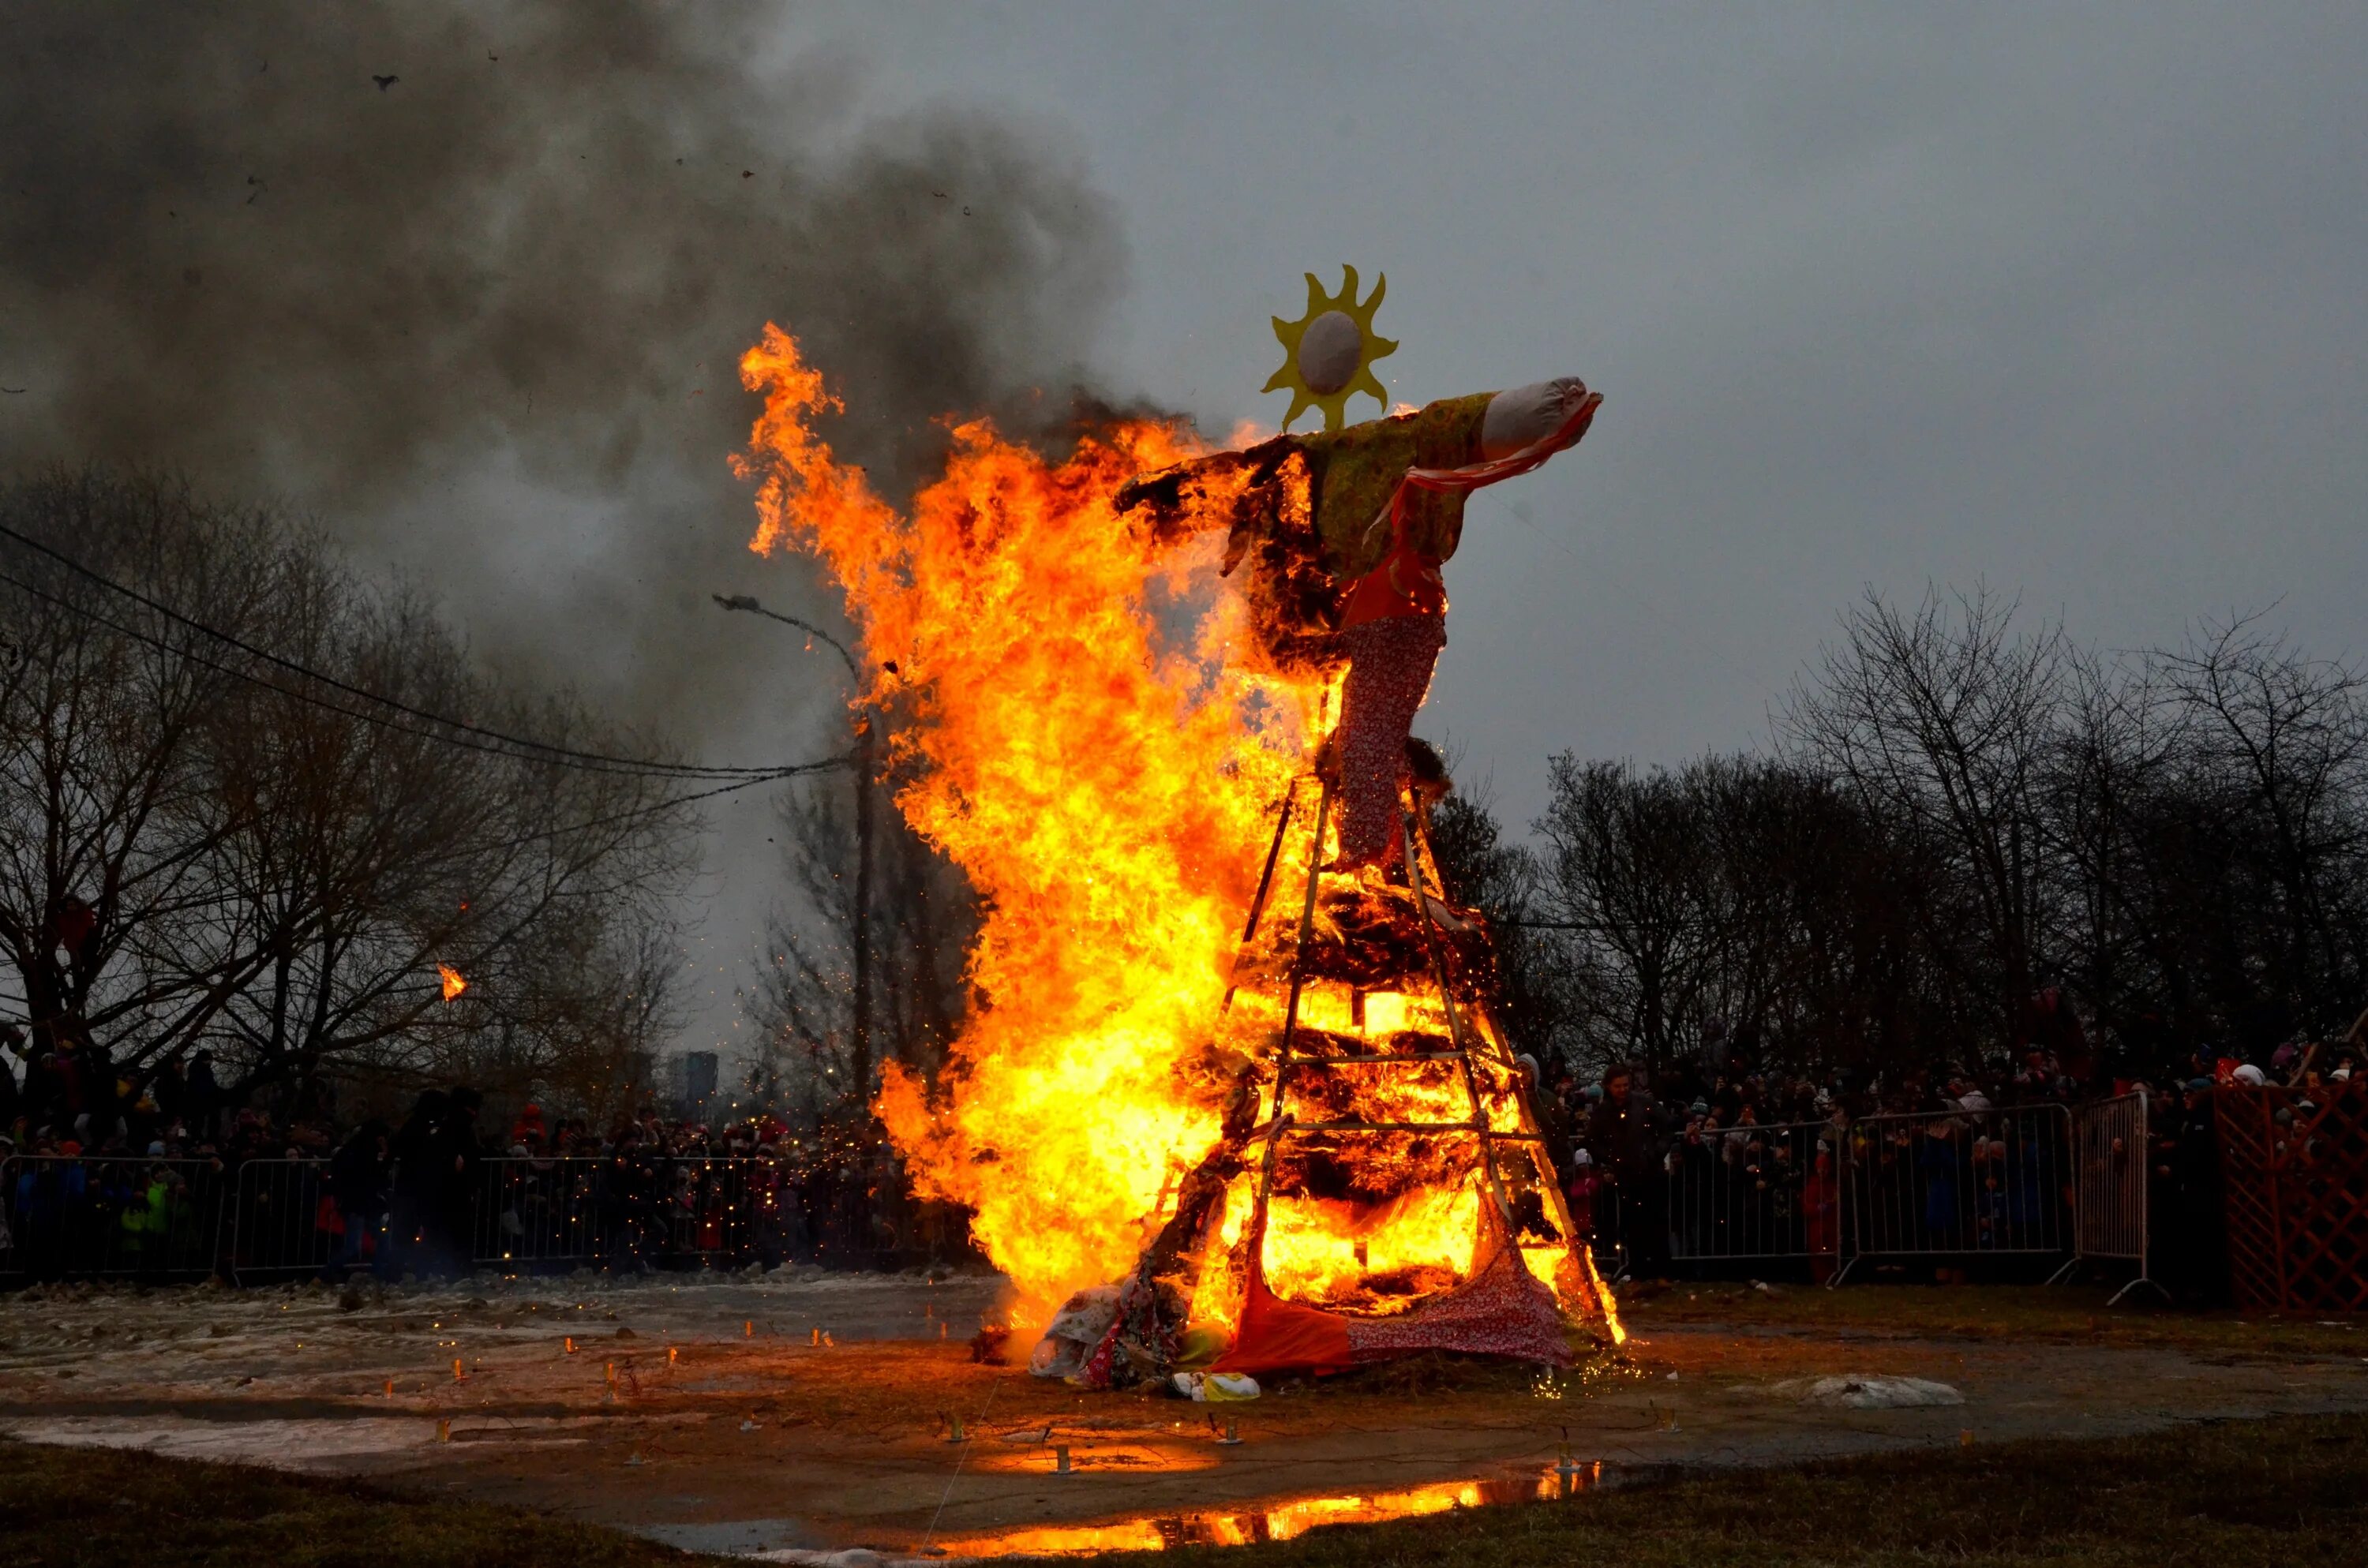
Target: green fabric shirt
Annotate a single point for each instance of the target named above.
(1352, 472)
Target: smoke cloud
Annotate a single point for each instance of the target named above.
(469, 281)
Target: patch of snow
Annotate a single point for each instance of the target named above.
(284, 1445)
(300, 1444)
(1868, 1391)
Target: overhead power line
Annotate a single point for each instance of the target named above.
(444, 729)
(626, 768)
(652, 808)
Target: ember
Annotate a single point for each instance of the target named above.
(453, 984)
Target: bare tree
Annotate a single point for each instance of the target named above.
(919, 914)
(247, 844)
(2285, 738)
(108, 821)
(1942, 721)
(1628, 869)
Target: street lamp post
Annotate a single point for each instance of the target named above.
(859, 1014)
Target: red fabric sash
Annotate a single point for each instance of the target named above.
(1407, 581)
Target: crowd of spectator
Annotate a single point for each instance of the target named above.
(175, 1174)
(1710, 1161)
(1951, 1164)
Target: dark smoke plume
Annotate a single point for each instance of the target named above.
(469, 281)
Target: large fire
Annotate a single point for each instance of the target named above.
(1104, 781)
(1091, 730)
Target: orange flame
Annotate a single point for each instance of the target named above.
(1103, 779)
(453, 984)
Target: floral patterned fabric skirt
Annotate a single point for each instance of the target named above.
(1390, 663)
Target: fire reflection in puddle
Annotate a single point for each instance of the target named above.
(1280, 1521)
(1132, 1458)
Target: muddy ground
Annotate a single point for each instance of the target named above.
(703, 1411)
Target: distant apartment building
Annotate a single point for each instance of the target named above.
(691, 1085)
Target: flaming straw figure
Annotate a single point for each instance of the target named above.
(1098, 731)
(453, 984)
(1104, 781)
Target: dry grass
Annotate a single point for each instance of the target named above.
(105, 1508)
(2057, 1315)
(2270, 1494)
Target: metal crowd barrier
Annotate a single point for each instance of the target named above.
(1958, 1184)
(281, 1223)
(636, 1211)
(120, 1217)
(1754, 1192)
(537, 1213)
(2111, 1149)
(109, 1217)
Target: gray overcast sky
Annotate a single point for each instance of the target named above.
(2068, 298)
(2063, 297)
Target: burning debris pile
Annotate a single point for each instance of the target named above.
(1294, 1140)
(1396, 1195)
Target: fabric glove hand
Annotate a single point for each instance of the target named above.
(1519, 417)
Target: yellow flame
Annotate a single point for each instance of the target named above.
(1104, 785)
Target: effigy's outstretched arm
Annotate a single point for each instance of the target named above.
(1163, 493)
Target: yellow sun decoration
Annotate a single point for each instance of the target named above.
(1328, 354)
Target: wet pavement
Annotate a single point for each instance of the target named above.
(800, 1413)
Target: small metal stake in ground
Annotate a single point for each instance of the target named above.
(1060, 1459)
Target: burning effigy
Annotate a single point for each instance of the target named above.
(1229, 1097)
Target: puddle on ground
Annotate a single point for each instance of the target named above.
(1081, 1455)
(1250, 1523)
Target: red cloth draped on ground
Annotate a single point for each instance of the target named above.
(1501, 1311)
(1277, 1335)
(1394, 624)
